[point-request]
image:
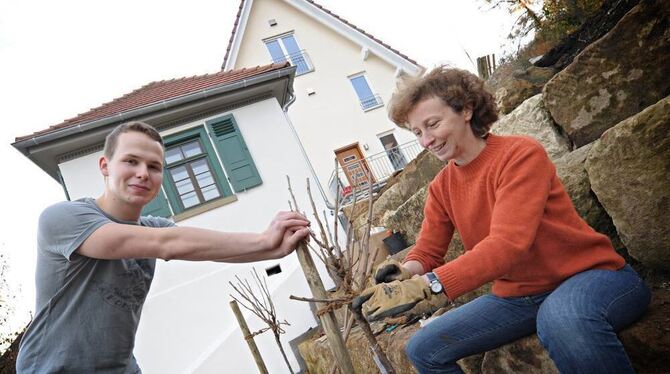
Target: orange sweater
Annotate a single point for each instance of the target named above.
(518, 225)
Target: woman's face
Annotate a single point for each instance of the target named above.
(442, 131)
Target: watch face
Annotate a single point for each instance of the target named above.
(436, 287)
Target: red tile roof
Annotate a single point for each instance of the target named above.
(156, 92)
(239, 14)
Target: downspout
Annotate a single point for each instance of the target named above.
(291, 100)
(62, 183)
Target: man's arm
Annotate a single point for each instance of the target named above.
(118, 241)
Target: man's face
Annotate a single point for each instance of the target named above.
(135, 172)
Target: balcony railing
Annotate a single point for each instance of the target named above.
(380, 166)
(298, 59)
(371, 102)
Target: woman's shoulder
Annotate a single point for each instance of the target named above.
(514, 146)
(519, 141)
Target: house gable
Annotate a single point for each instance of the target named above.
(365, 42)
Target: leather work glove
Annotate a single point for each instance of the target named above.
(388, 299)
(390, 270)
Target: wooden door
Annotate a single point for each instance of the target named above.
(354, 165)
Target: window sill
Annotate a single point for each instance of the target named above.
(304, 73)
(373, 107)
(204, 208)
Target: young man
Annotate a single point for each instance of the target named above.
(96, 260)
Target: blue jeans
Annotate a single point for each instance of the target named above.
(577, 324)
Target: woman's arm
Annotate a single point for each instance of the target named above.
(521, 193)
(437, 229)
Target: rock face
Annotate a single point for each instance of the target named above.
(570, 169)
(532, 118)
(398, 189)
(408, 217)
(523, 356)
(518, 86)
(647, 342)
(319, 358)
(615, 77)
(629, 170)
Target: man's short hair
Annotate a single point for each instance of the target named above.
(457, 88)
(138, 126)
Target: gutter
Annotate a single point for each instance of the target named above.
(23, 145)
(291, 100)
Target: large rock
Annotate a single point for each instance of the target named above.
(525, 355)
(647, 341)
(319, 359)
(629, 170)
(532, 118)
(617, 76)
(399, 188)
(518, 85)
(571, 171)
(407, 218)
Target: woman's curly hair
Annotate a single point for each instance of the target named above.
(456, 87)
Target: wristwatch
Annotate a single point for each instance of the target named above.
(435, 285)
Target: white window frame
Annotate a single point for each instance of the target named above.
(280, 42)
(379, 101)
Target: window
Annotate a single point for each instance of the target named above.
(194, 175)
(191, 173)
(285, 48)
(367, 99)
(393, 151)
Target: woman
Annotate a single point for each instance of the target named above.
(551, 273)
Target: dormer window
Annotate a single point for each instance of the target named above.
(285, 48)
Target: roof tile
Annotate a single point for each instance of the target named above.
(156, 92)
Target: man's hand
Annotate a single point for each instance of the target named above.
(286, 230)
(388, 299)
(391, 270)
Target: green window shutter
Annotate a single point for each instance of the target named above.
(237, 161)
(158, 207)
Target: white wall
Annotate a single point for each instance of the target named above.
(82, 176)
(187, 325)
(332, 117)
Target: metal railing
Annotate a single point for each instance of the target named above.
(380, 167)
(373, 101)
(298, 59)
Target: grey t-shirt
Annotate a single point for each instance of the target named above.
(87, 309)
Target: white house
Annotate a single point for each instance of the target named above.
(344, 78)
(229, 146)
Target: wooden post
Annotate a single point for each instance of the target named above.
(247, 336)
(328, 320)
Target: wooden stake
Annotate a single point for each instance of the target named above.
(328, 320)
(247, 336)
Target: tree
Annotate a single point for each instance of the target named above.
(7, 310)
(550, 19)
(262, 307)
